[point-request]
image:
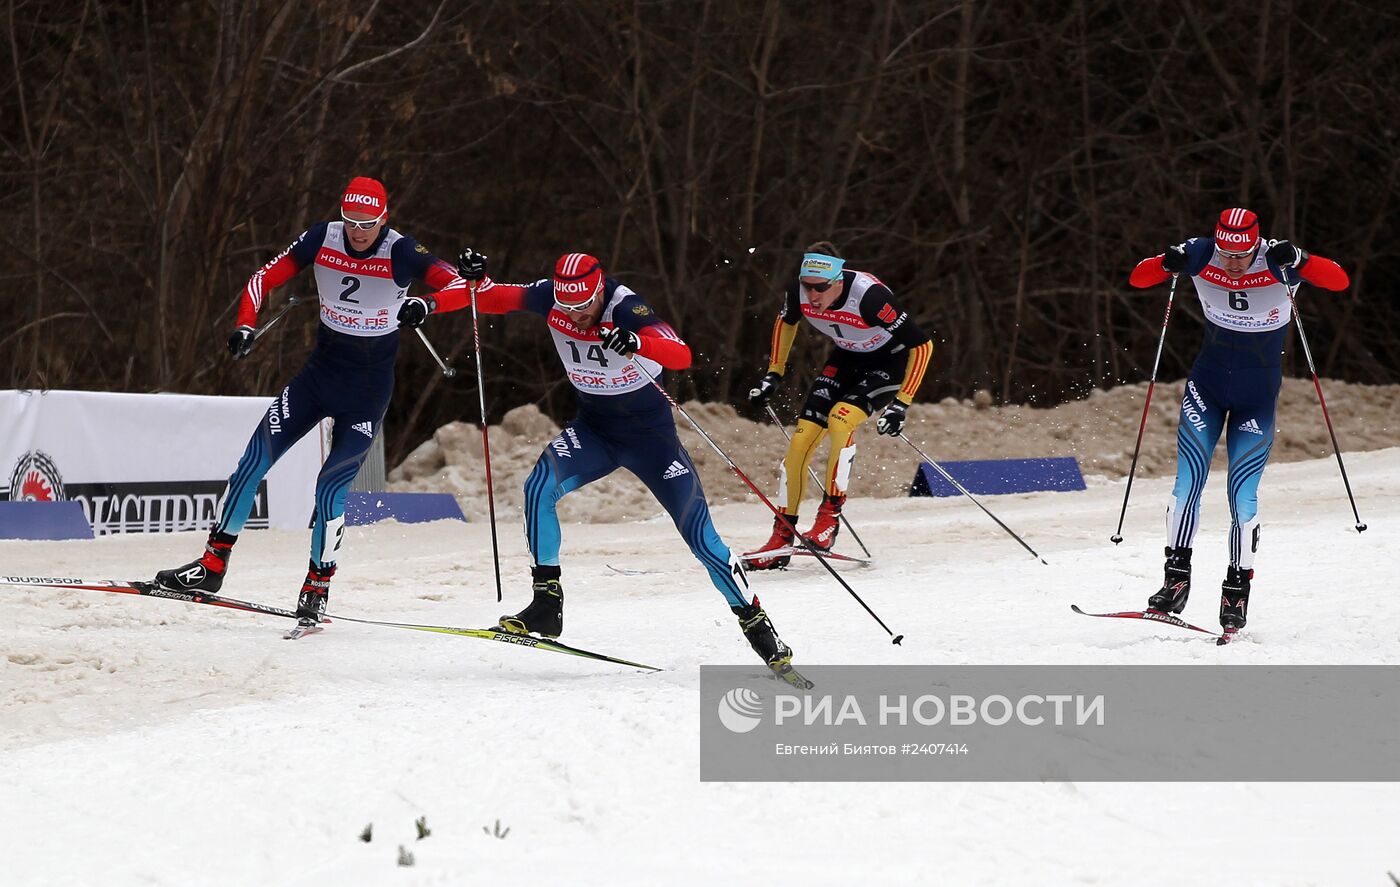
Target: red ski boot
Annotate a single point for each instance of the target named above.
(824, 529)
(782, 539)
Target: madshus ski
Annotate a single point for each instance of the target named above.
(150, 589)
(1158, 616)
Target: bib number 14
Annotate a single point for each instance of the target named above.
(594, 353)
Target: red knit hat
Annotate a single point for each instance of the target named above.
(1237, 231)
(365, 195)
(578, 280)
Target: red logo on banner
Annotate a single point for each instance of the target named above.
(35, 479)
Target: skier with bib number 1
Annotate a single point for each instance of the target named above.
(876, 365)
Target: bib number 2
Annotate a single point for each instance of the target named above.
(351, 284)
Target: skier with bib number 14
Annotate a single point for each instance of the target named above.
(603, 332)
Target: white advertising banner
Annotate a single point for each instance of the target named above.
(147, 463)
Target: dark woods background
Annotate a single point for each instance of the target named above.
(1000, 165)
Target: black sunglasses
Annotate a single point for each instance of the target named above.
(818, 287)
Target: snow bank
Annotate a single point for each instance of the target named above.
(1099, 431)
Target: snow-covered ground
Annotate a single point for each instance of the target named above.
(152, 742)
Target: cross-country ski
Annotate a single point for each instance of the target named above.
(1150, 616)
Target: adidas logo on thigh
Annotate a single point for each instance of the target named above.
(675, 470)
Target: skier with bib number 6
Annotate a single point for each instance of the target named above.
(1245, 286)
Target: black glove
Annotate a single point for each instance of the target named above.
(1174, 259)
(1285, 255)
(471, 265)
(892, 419)
(415, 310)
(240, 342)
(624, 342)
(759, 394)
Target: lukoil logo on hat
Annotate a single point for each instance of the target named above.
(740, 710)
(365, 195)
(578, 278)
(1237, 231)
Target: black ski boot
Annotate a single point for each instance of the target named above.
(1234, 599)
(758, 628)
(545, 614)
(1176, 584)
(205, 574)
(311, 602)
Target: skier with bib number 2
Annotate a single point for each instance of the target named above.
(363, 269)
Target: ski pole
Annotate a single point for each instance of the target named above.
(447, 371)
(961, 489)
(897, 638)
(816, 480)
(1142, 426)
(485, 439)
(294, 300)
(1307, 352)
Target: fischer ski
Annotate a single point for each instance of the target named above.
(1150, 616)
(505, 637)
(150, 589)
(791, 550)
